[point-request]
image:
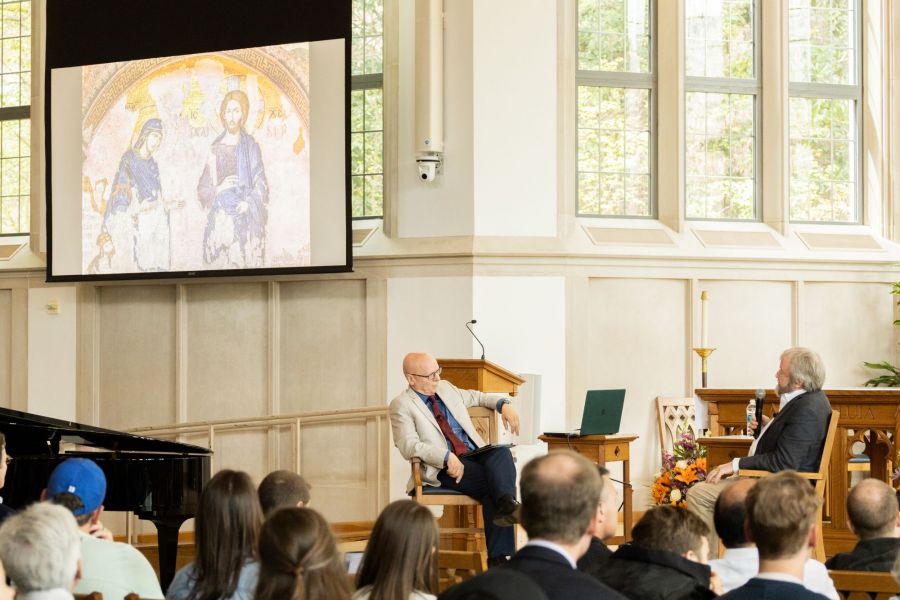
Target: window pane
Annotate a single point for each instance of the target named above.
(719, 155)
(822, 41)
(823, 160)
(719, 38)
(15, 53)
(15, 141)
(366, 152)
(614, 35)
(367, 55)
(613, 151)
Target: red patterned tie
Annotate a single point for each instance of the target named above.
(459, 448)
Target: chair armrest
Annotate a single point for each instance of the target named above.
(415, 463)
(753, 473)
(758, 474)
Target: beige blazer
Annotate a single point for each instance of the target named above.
(416, 432)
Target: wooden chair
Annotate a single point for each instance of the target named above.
(91, 596)
(485, 421)
(675, 415)
(455, 566)
(861, 585)
(820, 477)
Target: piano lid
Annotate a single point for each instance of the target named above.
(29, 434)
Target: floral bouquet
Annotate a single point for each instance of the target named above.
(682, 468)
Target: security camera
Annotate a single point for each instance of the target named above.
(429, 166)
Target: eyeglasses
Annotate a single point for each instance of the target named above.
(433, 376)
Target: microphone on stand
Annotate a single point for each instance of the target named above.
(760, 397)
(472, 322)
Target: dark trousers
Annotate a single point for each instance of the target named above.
(488, 477)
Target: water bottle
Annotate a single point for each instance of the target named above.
(751, 414)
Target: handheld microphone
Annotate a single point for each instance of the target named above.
(472, 322)
(760, 397)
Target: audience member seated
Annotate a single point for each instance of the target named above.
(41, 550)
(5, 459)
(874, 518)
(741, 560)
(605, 522)
(666, 559)
(112, 568)
(560, 497)
(401, 555)
(283, 488)
(496, 584)
(781, 521)
(226, 531)
(299, 559)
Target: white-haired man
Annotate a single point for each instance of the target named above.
(791, 440)
(41, 550)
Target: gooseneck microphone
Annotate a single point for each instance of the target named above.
(760, 397)
(468, 326)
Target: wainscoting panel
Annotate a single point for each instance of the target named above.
(750, 324)
(6, 319)
(322, 345)
(227, 350)
(137, 355)
(848, 323)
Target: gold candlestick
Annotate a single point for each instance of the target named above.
(703, 353)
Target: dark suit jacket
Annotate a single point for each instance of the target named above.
(766, 589)
(643, 574)
(556, 576)
(596, 552)
(868, 555)
(794, 439)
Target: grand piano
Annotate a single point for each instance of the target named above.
(158, 480)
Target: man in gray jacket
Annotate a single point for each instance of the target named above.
(430, 421)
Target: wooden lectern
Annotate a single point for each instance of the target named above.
(479, 374)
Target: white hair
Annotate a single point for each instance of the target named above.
(40, 548)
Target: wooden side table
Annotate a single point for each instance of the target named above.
(603, 449)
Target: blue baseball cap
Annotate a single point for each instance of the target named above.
(80, 477)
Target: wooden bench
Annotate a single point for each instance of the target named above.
(864, 585)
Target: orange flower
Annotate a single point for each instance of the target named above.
(701, 463)
(665, 478)
(688, 476)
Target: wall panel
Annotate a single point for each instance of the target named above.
(6, 317)
(227, 350)
(137, 355)
(848, 323)
(322, 345)
(750, 324)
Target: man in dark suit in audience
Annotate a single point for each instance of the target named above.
(781, 521)
(605, 522)
(560, 493)
(874, 518)
(791, 440)
(666, 559)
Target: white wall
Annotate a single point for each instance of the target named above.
(514, 120)
(51, 353)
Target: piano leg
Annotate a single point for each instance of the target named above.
(167, 537)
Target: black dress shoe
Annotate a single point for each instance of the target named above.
(497, 561)
(507, 513)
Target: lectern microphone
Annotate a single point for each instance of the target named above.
(468, 324)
